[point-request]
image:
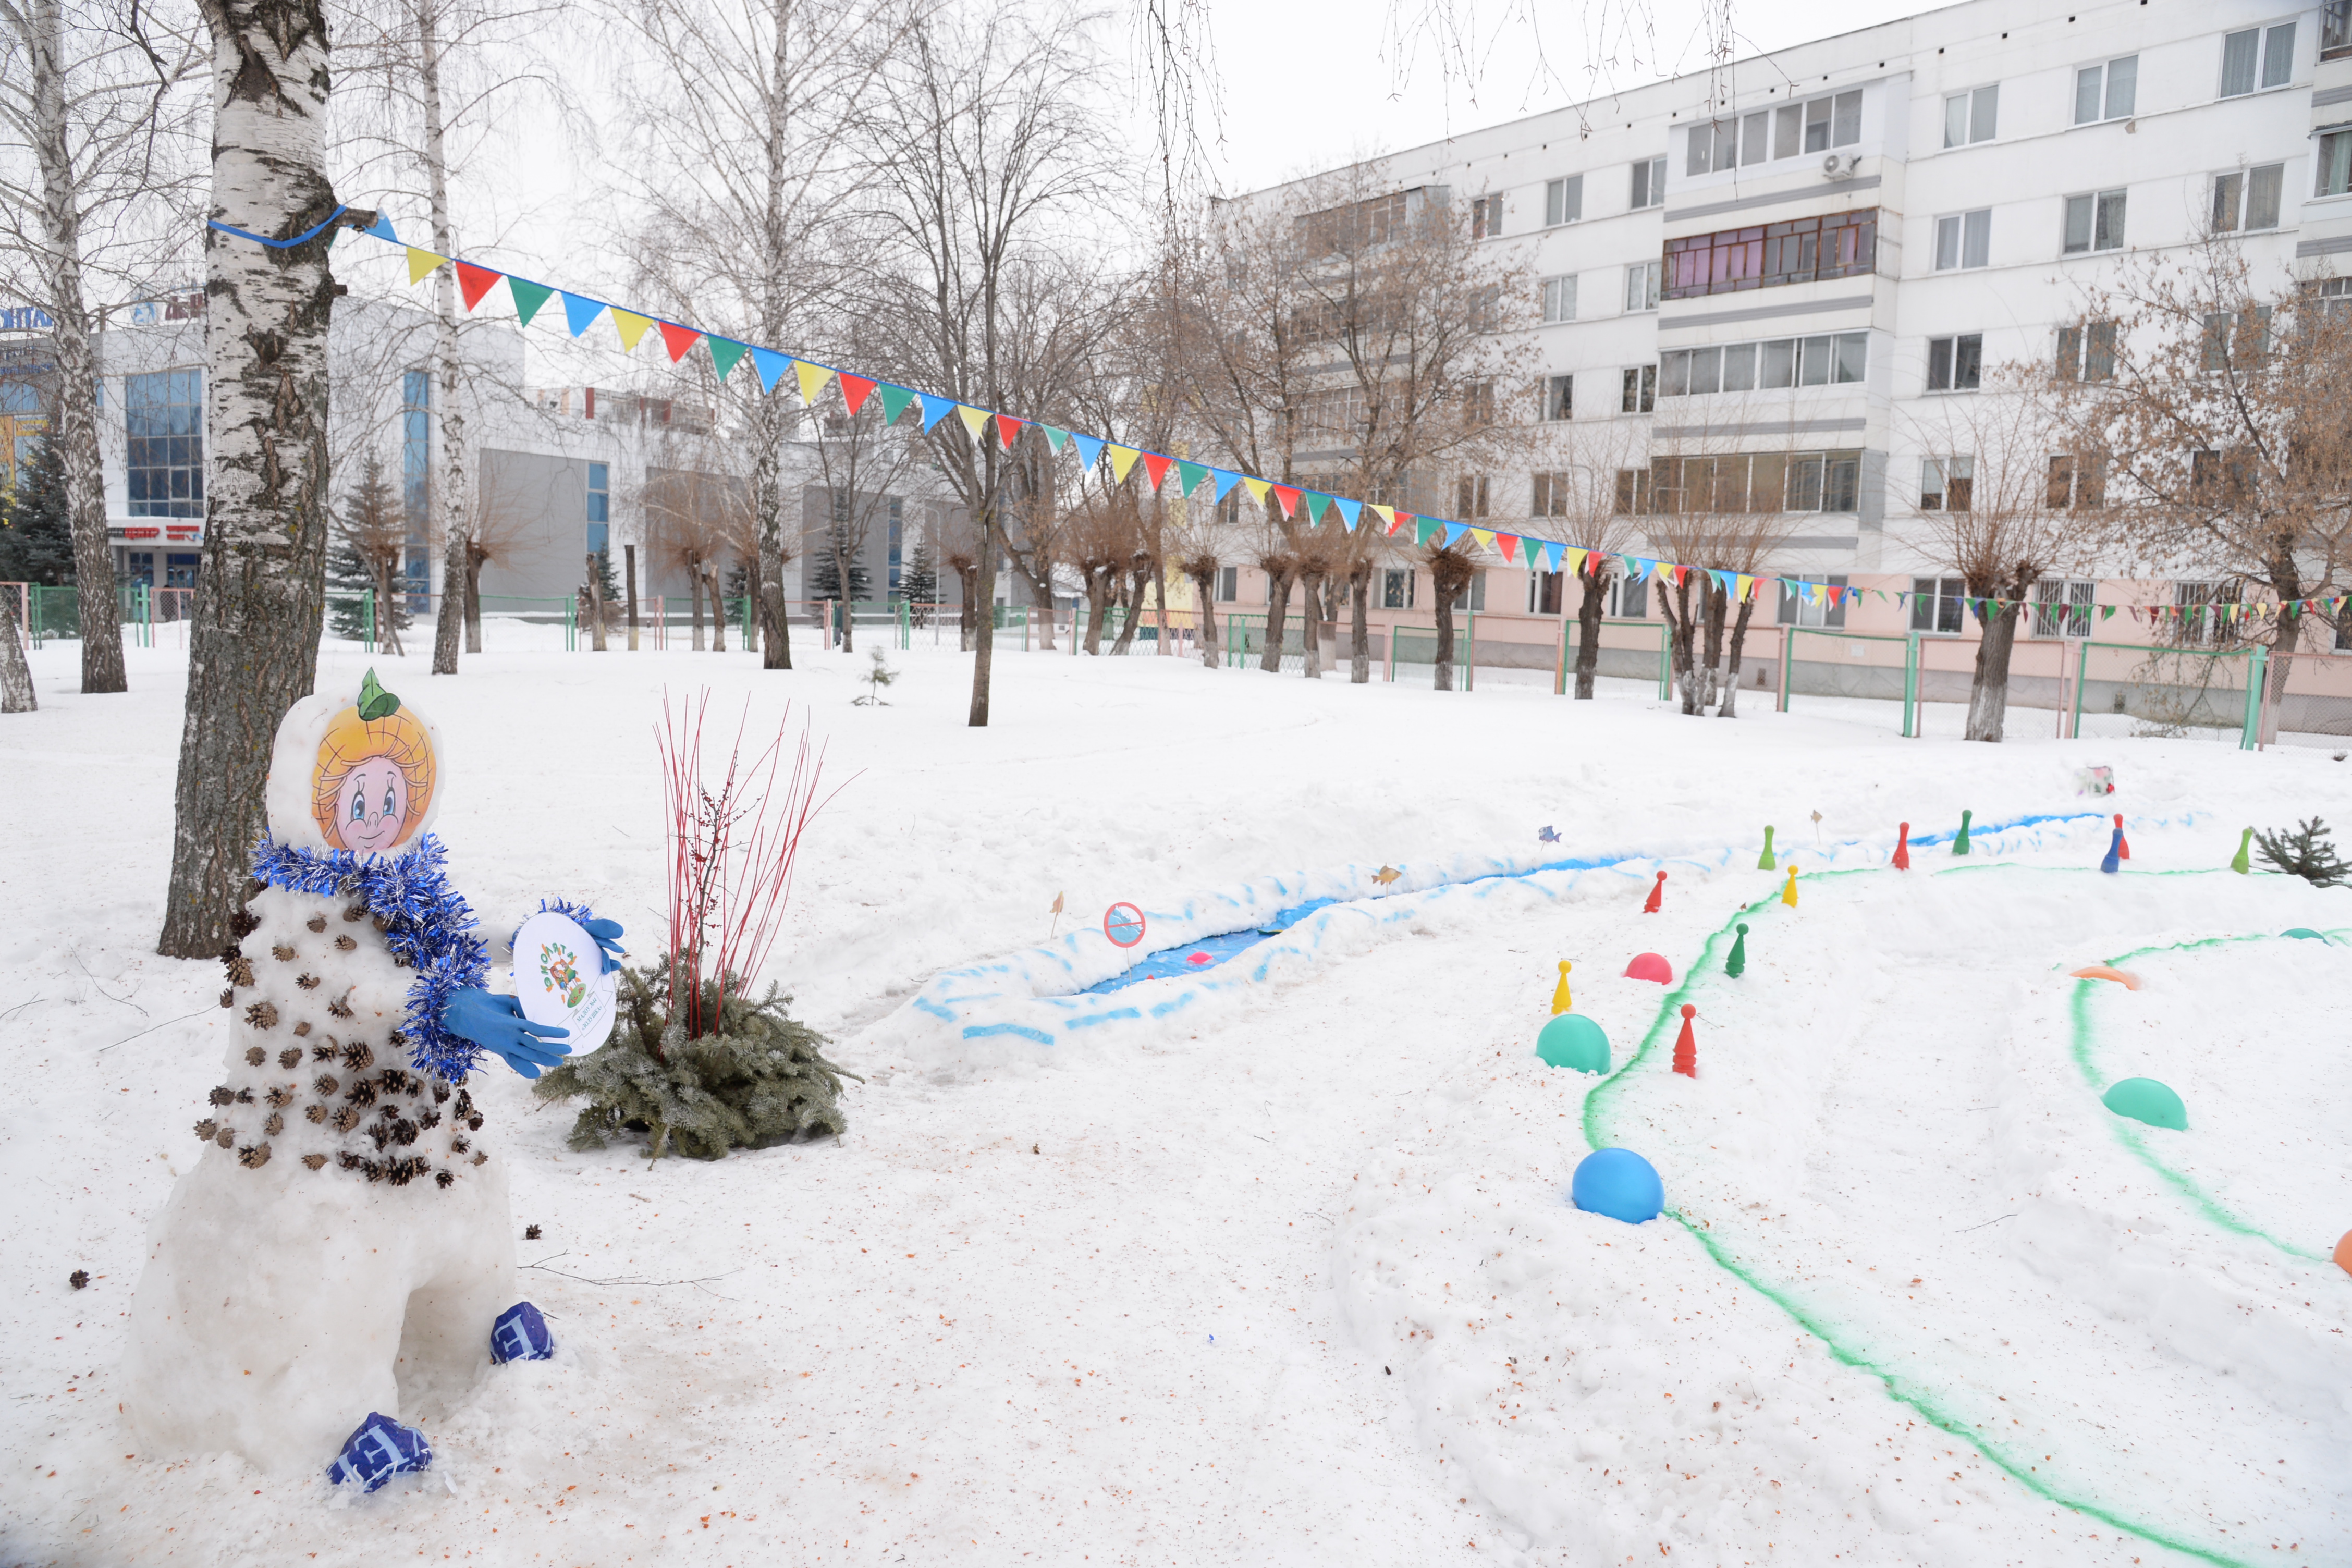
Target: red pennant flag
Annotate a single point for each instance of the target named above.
(1289, 500)
(1508, 543)
(1157, 466)
(1402, 520)
(677, 340)
(855, 390)
(1681, 573)
(474, 282)
(1008, 429)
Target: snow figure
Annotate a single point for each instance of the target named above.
(342, 1243)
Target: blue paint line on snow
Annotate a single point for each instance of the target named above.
(1056, 986)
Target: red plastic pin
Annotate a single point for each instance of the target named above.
(1657, 895)
(1686, 1048)
(1903, 847)
(2122, 845)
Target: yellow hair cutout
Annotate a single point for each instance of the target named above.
(350, 741)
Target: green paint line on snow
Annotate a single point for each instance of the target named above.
(1900, 1389)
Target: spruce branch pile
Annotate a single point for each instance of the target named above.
(756, 1080)
(2307, 852)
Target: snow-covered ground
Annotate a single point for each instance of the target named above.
(1290, 1277)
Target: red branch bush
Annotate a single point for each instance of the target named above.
(732, 844)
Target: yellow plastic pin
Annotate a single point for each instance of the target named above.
(1789, 893)
(1559, 998)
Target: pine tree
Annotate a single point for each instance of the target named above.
(364, 553)
(2307, 852)
(825, 566)
(918, 580)
(878, 676)
(606, 583)
(35, 534)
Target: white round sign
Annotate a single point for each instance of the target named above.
(560, 979)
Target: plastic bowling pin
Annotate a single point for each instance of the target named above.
(1766, 862)
(1657, 895)
(1686, 1048)
(1559, 998)
(1789, 893)
(1903, 847)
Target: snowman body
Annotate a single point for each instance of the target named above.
(343, 1242)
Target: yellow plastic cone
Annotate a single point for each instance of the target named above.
(1789, 893)
(1559, 998)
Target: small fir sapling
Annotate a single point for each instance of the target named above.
(2306, 852)
(694, 1063)
(878, 676)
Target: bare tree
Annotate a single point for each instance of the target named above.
(694, 521)
(1574, 497)
(92, 111)
(862, 462)
(253, 646)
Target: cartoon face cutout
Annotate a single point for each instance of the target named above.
(372, 782)
(372, 808)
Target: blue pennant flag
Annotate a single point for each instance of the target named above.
(1090, 449)
(1453, 533)
(578, 312)
(770, 366)
(935, 408)
(1226, 480)
(1552, 553)
(1348, 510)
(381, 227)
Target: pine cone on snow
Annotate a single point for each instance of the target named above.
(282, 953)
(344, 943)
(255, 1056)
(262, 1015)
(316, 923)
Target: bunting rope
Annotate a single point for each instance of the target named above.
(811, 379)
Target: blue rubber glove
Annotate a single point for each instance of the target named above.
(496, 1024)
(608, 942)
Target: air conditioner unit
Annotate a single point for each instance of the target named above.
(1841, 165)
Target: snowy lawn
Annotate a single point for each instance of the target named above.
(1295, 1281)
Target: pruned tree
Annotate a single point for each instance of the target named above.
(1716, 510)
(97, 190)
(1451, 567)
(865, 465)
(696, 521)
(1574, 497)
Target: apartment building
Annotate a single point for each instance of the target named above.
(1793, 266)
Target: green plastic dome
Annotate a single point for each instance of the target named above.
(1573, 1041)
(2145, 1099)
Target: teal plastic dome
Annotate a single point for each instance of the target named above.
(2145, 1099)
(1573, 1041)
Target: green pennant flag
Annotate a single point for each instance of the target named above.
(895, 400)
(528, 297)
(1188, 476)
(1054, 438)
(724, 353)
(2107, 611)
(1318, 503)
(1424, 527)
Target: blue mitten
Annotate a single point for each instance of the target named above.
(608, 942)
(496, 1024)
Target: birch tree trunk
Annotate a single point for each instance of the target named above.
(456, 516)
(1310, 625)
(1729, 706)
(16, 674)
(983, 637)
(1988, 692)
(775, 626)
(1587, 632)
(75, 411)
(1360, 600)
(253, 645)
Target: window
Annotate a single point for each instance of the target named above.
(2094, 222)
(2198, 602)
(2106, 91)
(1715, 145)
(1229, 585)
(1552, 496)
(1642, 285)
(1473, 596)
(1633, 492)
(600, 507)
(2087, 352)
(1563, 201)
(1544, 592)
(1470, 496)
(1641, 390)
(1798, 609)
(1817, 126)
(2073, 484)
(1956, 363)
(2335, 28)
(1964, 239)
(1764, 256)
(1486, 216)
(2335, 163)
(2272, 50)
(1396, 589)
(1971, 117)
(416, 469)
(1755, 132)
(1742, 482)
(1783, 361)
(1558, 397)
(1629, 600)
(164, 418)
(2248, 198)
(1559, 298)
(898, 526)
(1479, 398)
(1946, 483)
(1939, 603)
(2062, 605)
(1649, 184)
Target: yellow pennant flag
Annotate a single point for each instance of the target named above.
(1121, 459)
(811, 378)
(1387, 514)
(1576, 560)
(420, 264)
(1484, 536)
(1257, 487)
(1745, 589)
(974, 419)
(632, 325)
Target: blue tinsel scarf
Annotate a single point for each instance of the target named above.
(426, 922)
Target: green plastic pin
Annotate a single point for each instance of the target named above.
(2239, 862)
(1960, 845)
(1765, 862)
(1737, 965)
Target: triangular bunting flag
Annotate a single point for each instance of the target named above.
(725, 353)
(1387, 514)
(2107, 611)
(1121, 459)
(420, 264)
(473, 282)
(1508, 543)
(678, 338)
(528, 297)
(1190, 477)
(768, 362)
(1288, 496)
(1090, 449)
(382, 228)
(1425, 528)
(1681, 573)
(1453, 533)
(579, 313)
(855, 391)
(1348, 511)
(1551, 556)
(1226, 480)
(1259, 487)
(1637, 568)
(1318, 503)
(1054, 438)
(1156, 467)
(1484, 536)
(1399, 520)
(1007, 429)
(1744, 588)
(975, 420)
(935, 408)
(813, 377)
(894, 402)
(631, 326)
(1577, 558)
